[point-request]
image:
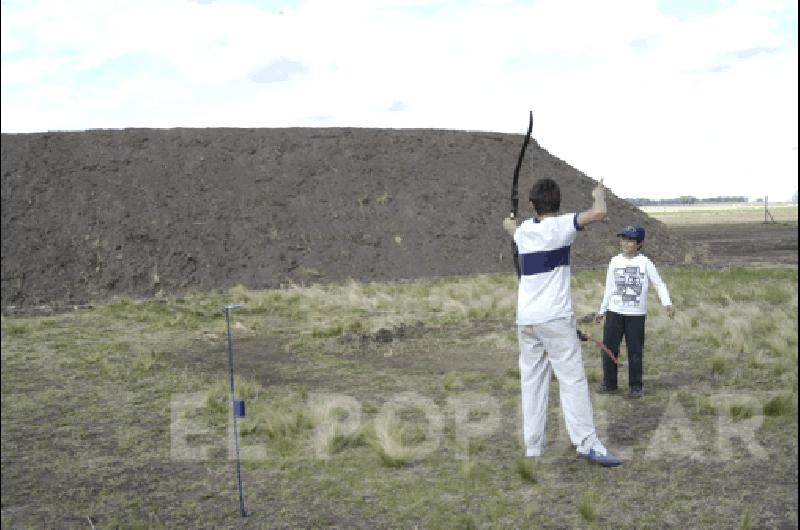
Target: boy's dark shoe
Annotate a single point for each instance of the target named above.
(636, 392)
(605, 389)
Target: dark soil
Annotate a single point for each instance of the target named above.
(744, 243)
(88, 215)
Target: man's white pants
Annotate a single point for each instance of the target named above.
(543, 348)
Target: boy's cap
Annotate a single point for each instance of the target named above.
(634, 232)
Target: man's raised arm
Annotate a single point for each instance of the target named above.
(598, 210)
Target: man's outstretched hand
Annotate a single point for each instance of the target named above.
(510, 225)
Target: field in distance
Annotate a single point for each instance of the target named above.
(735, 233)
(722, 213)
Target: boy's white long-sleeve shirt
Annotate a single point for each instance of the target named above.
(627, 282)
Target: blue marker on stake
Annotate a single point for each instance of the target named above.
(238, 409)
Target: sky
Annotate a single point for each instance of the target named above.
(658, 98)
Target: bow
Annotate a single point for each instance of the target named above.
(583, 337)
(515, 188)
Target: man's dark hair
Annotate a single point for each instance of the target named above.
(545, 196)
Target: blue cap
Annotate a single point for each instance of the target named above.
(634, 232)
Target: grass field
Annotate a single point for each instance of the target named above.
(396, 405)
(723, 213)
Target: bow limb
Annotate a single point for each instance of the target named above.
(515, 188)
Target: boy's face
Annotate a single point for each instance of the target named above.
(630, 247)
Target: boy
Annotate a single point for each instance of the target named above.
(625, 308)
(546, 327)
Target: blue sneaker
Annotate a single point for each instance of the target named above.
(607, 460)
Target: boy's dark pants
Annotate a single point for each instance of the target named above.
(632, 328)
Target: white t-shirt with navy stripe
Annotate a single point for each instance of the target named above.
(544, 284)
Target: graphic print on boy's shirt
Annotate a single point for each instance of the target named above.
(628, 285)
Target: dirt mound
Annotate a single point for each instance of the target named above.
(137, 211)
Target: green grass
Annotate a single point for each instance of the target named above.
(588, 506)
(395, 405)
(745, 523)
(526, 468)
(781, 405)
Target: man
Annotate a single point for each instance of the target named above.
(546, 328)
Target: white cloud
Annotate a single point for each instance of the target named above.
(656, 104)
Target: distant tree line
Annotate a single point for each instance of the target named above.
(686, 199)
